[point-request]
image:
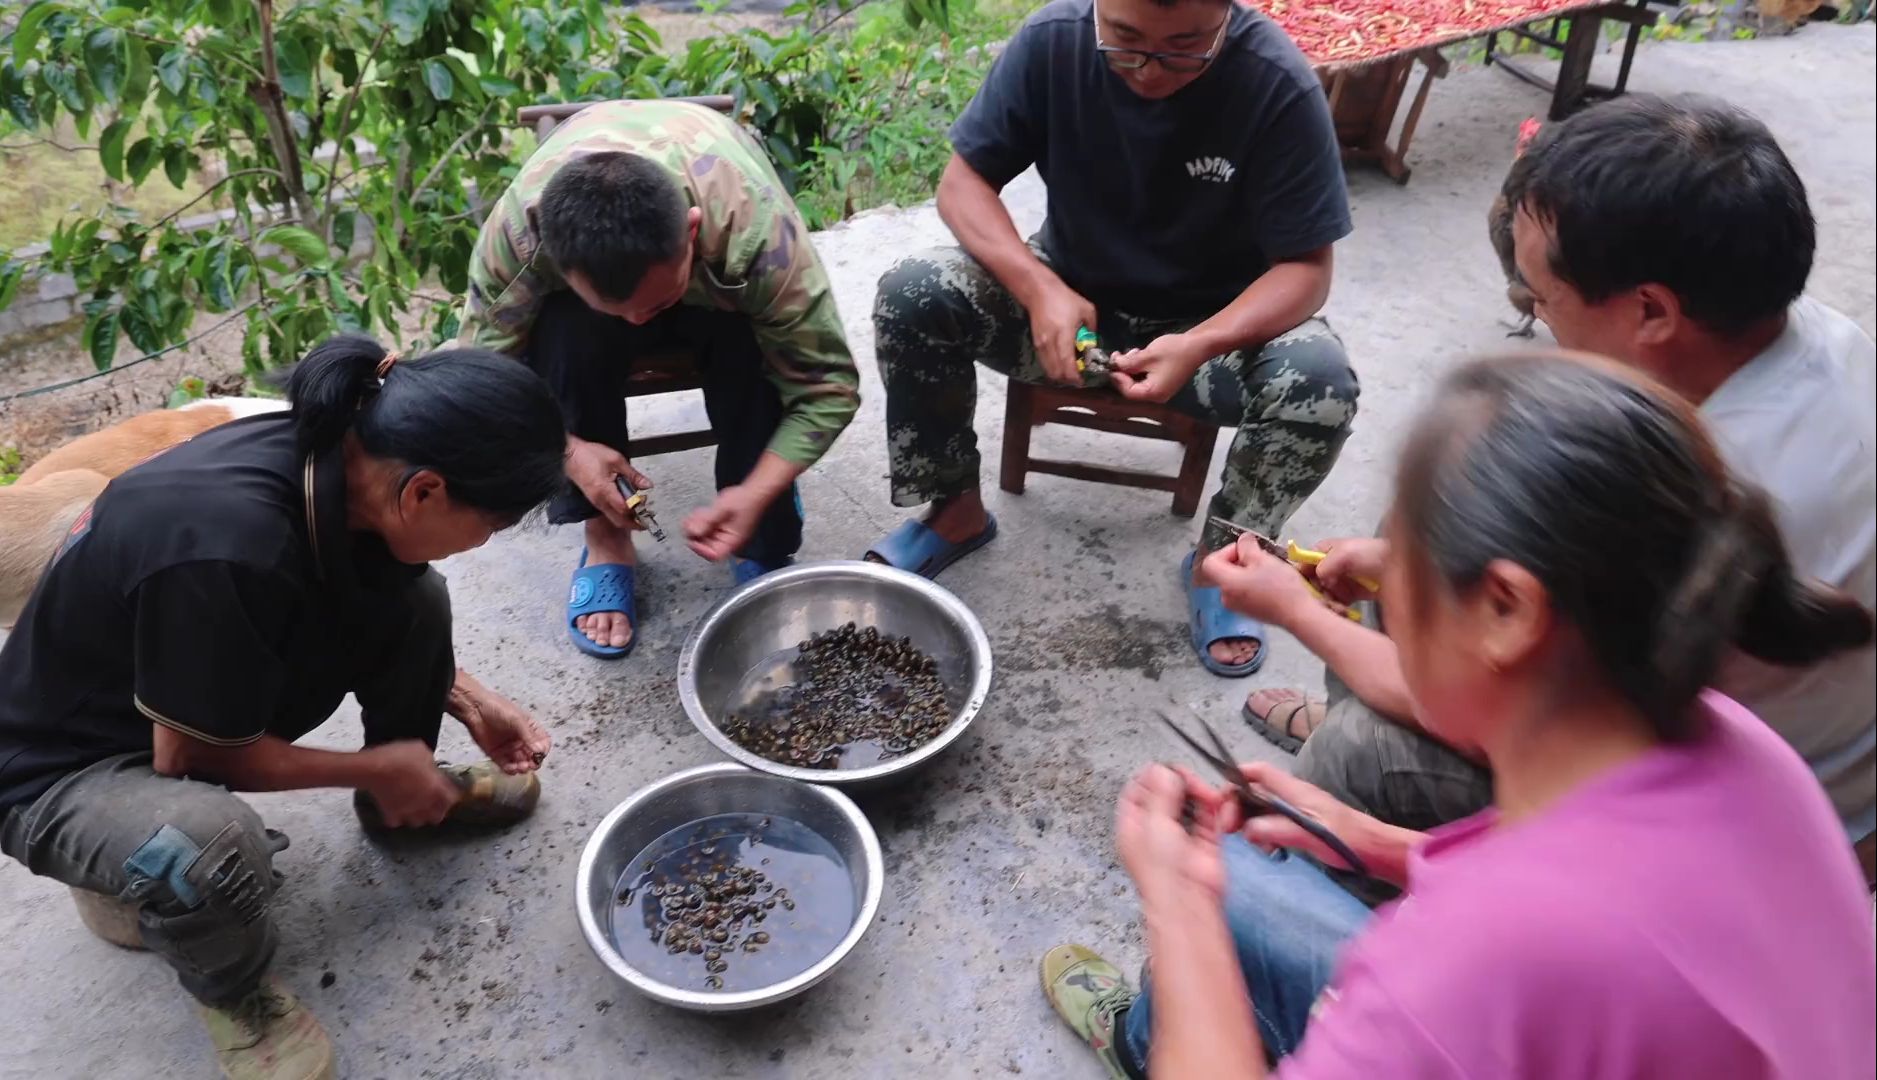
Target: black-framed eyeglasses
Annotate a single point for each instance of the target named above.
(1184, 63)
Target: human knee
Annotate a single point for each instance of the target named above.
(210, 853)
(205, 898)
(1313, 380)
(920, 294)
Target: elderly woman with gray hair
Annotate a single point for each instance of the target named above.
(1660, 888)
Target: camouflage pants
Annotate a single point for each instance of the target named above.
(940, 312)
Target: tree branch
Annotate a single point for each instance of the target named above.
(444, 158)
(47, 142)
(340, 132)
(210, 190)
(269, 97)
(826, 26)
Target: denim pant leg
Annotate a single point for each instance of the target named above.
(1288, 921)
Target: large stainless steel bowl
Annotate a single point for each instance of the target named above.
(724, 788)
(777, 611)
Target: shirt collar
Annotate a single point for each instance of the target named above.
(323, 486)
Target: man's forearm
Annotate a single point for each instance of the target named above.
(1278, 302)
(268, 764)
(1203, 1025)
(772, 476)
(971, 208)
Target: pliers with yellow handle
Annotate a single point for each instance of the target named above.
(1303, 556)
(1298, 557)
(1090, 354)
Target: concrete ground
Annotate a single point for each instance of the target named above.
(466, 961)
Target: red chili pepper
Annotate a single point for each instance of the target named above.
(1346, 31)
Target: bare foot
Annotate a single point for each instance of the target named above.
(1233, 651)
(959, 518)
(1288, 713)
(607, 545)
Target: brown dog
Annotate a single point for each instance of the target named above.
(38, 509)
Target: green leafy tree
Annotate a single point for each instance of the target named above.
(318, 123)
(322, 123)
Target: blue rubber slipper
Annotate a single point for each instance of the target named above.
(1212, 621)
(602, 588)
(915, 547)
(748, 570)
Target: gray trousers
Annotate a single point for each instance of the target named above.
(940, 313)
(195, 858)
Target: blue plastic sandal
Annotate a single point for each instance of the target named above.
(915, 547)
(597, 589)
(1212, 621)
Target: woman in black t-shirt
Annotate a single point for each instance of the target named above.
(216, 604)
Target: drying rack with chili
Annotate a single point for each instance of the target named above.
(1365, 51)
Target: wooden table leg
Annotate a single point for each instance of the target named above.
(1019, 418)
(1580, 48)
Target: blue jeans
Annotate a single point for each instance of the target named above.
(1288, 921)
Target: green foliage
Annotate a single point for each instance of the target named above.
(322, 123)
(10, 465)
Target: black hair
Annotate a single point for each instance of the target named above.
(1608, 490)
(484, 423)
(611, 217)
(1688, 192)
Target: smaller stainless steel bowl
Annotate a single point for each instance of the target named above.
(778, 611)
(724, 788)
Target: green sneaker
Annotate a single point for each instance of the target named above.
(269, 1035)
(491, 799)
(1088, 993)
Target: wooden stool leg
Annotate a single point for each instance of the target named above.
(1199, 441)
(1019, 409)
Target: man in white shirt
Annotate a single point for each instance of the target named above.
(1673, 235)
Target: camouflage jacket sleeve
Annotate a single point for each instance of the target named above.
(791, 302)
(508, 279)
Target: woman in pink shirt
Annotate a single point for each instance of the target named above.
(1660, 888)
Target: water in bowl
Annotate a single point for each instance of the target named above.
(798, 904)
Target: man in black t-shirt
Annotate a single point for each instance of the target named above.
(1195, 190)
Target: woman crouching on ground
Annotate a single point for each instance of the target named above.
(216, 604)
(1660, 888)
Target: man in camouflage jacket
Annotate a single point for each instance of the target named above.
(651, 226)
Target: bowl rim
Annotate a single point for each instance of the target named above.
(926, 587)
(600, 941)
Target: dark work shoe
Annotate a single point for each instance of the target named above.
(492, 799)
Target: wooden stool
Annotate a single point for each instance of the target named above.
(658, 373)
(1104, 410)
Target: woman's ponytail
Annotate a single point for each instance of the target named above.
(1740, 591)
(1788, 620)
(329, 388)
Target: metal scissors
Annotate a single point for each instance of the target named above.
(1255, 800)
